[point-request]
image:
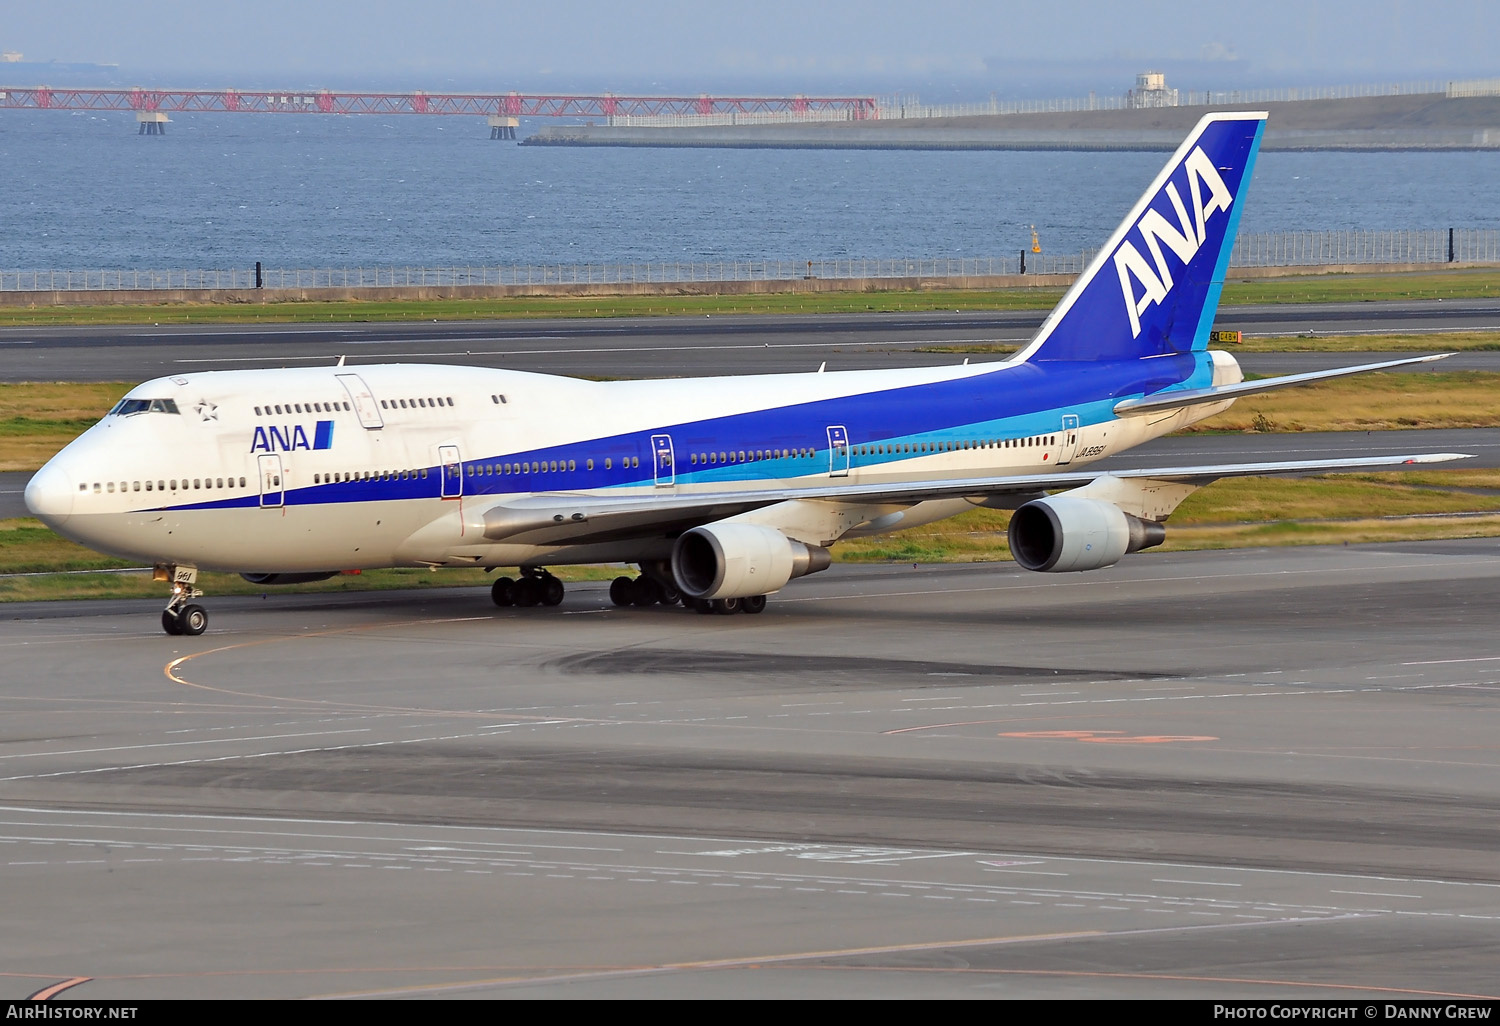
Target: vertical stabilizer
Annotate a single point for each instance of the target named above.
(1154, 287)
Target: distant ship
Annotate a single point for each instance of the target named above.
(15, 70)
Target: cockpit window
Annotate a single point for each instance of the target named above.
(126, 407)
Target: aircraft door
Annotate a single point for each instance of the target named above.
(452, 471)
(661, 454)
(365, 406)
(1069, 439)
(838, 451)
(272, 491)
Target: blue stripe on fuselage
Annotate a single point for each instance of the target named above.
(1012, 401)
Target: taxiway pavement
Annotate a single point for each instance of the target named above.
(1258, 773)
(667, 346)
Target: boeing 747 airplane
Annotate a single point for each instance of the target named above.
(721, 489)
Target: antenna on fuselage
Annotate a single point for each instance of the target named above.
(340, 363)
(822, 366)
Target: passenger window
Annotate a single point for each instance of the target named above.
(591, 464)
(609, 463)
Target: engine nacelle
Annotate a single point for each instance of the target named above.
(1062, 533)
(739, 560)
(288, 578)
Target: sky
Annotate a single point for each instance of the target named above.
(938, 49)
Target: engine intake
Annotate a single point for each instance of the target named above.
(739, 560)
(1063, 533)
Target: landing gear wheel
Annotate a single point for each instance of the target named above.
(670, 596)
(645, 592)
(193, 621)
(620, 591)
(527, 592)
(181, 616)
(703, 606)
(503, 592)
(727, 606)
(552, 591)
(753, 604)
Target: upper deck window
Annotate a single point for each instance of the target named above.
(126, 407)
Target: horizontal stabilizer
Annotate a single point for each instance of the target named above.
(1177, 399)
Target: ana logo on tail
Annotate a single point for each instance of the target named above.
(1183, 240)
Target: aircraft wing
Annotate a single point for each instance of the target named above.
(1176, 399)
(565, 519)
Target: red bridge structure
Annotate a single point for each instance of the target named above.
(152, 105)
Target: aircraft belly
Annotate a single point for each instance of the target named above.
(291, 539)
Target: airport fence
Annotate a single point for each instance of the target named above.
(1297, 249)
(1271, 249)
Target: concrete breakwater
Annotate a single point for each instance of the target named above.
(1412, 122)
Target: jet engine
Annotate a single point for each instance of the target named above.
(739, 560)
(1062, 533)
(288, 578)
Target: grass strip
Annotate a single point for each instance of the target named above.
(1242, 512)
(1369, 402)
(1292, 288)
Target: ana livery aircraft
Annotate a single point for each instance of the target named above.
(721, 489)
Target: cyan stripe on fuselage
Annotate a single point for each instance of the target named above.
(1012, 401)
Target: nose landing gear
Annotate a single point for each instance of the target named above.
(181, 615)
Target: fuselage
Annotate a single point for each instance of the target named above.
(322, 469)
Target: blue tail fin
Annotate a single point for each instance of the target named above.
(1154, 287)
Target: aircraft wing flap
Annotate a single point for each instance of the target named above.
(1174, 400)
(552, 519)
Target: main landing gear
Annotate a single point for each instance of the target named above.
(642, 591)
(181, 615)
(647, 591)
(535, 588)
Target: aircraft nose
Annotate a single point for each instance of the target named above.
(49, 494)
